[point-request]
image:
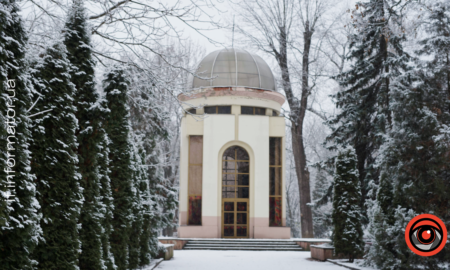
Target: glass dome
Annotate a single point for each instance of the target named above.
(233, 67)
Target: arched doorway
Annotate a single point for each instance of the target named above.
(235, 192)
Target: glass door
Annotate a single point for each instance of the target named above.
(235, 193)
(235, 218)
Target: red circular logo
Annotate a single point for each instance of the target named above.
(426, 235)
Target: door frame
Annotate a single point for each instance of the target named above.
(250, 200)
(235, 211)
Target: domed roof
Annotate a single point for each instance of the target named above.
(234, 67)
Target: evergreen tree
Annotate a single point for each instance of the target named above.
(105, 190)
(55, 162)
(414, 156)
(378, 56)
(164, 196)
(19, 221)
(116, 87)
(145, 240)
(347, 234)
(322, 209)
(381, 217)
(77, 40)
(140, 189)
(158, 196)
(433, 91)
(437, 44)
(414, 159)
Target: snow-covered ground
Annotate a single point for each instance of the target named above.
(355, 265)
(244, 260)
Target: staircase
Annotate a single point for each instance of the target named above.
(242, 244)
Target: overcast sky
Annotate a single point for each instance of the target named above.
(220, 11)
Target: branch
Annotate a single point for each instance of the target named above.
(40, 113)
(323, 117)
(34, 104)
(109, 10)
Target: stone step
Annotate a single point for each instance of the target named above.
(241, 242)
(244, 248)
(240, 245)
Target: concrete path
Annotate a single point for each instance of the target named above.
(244, 260)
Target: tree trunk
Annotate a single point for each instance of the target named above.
(302, 171)
(297, 115)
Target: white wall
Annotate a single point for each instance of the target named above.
(184, 163)
(220, 132)
(254, 130)
(217, 131)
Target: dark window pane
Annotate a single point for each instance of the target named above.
(195, 210)
(224, 109)
(275, 211)
(242, 206)
(228, 179)
(241, 218)
(275, 181)
(243, 192)
(241, 231)
(274, 113)
(241, 153)
(228, 230)
(228, 166)
(229, 154)
(228, 218)
(242, 167)
(228, 192)
(229, 206)
(210, 110)
(243, 179)
(275, 150)
(260, 111)
(246, 110)
(193, 111)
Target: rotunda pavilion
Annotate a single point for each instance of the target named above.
(232, 150)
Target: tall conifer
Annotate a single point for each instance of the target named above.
(414, 156)
(165, 201)
(414, 164)
(159, 199)
(77, 40)
(140, 189)
(19, 221)
(378, 57)
(105, 190)
(115, 86)
(348, 233)
(55, 162)
(322, 209)
(436, 45)
(146, 205)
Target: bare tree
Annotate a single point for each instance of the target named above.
(125, 30)
(272, 26)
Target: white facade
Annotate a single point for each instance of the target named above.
(218, 133)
